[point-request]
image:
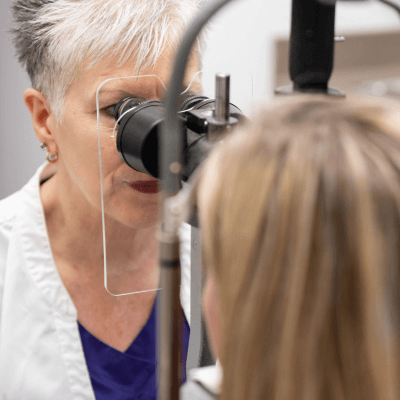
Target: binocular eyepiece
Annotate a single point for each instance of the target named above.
(140, 124)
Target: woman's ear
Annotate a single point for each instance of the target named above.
(40, 111)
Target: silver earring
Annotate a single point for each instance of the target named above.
(43, 146)
(52, 158)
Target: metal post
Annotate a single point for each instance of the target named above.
(222, 83)
(195, 300)
(199, 354)
(169, 319)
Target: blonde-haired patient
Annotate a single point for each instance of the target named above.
(300, 218)
(62, 335)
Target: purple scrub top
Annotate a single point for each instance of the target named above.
(130, 375)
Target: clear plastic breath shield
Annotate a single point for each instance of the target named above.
(129, 118)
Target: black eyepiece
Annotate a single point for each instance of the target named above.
(189, 99)
(128, 103)
(140, 123)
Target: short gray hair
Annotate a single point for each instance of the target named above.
(54, 38)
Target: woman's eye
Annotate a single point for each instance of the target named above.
(109, 111)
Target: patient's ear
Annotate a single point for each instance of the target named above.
(42, 116)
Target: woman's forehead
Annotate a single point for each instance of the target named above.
(149, 82)
(144, 81)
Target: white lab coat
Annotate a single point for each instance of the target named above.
(41, 355)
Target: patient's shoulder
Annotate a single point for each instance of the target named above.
(203, 383)
(192, 390)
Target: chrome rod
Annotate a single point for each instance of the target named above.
(222, 84)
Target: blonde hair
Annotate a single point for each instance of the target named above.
(54, 38)
(301, 226)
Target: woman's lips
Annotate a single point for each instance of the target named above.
(150, 187)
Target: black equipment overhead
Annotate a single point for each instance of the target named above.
(312, 40)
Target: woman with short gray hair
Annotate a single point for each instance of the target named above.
(62, 335)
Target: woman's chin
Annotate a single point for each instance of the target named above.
(136, 211)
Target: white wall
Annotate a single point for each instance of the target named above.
(241, 39)
(20, 154)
